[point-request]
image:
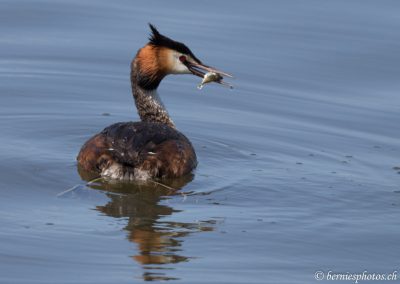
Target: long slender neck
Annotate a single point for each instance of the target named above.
(148, 103)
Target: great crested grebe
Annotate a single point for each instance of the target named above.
(152, 147)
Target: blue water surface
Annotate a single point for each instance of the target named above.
(298, 165)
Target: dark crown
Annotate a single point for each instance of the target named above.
(160, 40)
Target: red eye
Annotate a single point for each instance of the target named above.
(182, 58)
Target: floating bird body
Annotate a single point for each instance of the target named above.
(153, 147)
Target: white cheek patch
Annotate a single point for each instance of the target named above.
(177, 66)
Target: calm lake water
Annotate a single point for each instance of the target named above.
(297, 165)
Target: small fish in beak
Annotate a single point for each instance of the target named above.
(213, 77)
(208, 78)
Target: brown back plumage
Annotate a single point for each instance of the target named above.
(150, 147)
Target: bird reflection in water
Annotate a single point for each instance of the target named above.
(159, 242)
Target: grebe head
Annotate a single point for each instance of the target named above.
(163, 56)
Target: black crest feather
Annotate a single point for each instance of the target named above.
(160, 40)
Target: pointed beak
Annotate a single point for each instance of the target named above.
(200, 70)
